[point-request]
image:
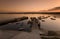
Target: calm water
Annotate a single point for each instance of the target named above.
(47, 25)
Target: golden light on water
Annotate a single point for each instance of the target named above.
(48, 24)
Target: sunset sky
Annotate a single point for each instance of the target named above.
(27, 5)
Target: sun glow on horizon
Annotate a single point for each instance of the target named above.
(28, 6)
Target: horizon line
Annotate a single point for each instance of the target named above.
(29, 12)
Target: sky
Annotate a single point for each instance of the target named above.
(27, 5)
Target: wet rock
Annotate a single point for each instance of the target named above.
(21, 18)
(52, 33)
(43, 20)
(39, 18)
(52, 18)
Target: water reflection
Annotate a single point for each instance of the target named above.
(47, 22)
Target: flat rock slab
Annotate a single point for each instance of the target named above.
(11, 34)
(8, 34)
(26, 35)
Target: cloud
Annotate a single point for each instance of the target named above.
(56, 8)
